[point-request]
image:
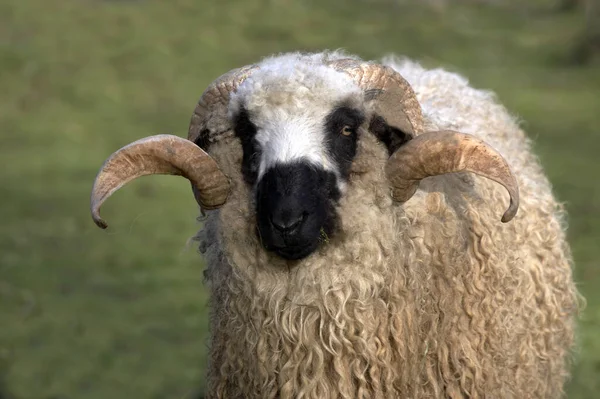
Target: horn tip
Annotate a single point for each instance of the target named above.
(98, 219)
(100, 223)
(510, 212)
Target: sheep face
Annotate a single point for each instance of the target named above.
(299, 132)
(298, 173)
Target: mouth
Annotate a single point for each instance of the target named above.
(296, 252)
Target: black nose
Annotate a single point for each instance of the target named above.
(287, 220)
(292, 209)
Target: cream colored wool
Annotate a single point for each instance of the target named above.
(433, 298)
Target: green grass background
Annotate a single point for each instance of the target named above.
(86, 313)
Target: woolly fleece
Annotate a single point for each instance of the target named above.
(433, 298)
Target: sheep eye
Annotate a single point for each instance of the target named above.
(347, 130)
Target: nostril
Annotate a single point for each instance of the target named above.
(286, 222)
(295, 222)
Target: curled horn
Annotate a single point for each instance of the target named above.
(437, 153)
(427, 154)
(168, 154)
(161, 154)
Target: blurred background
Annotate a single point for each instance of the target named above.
(121, 313)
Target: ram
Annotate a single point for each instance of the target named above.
(353, 236)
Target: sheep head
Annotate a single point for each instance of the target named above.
(298, 120)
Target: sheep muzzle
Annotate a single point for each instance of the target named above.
(160, 154)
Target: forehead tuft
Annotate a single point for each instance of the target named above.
(287, 100)
(296, 83)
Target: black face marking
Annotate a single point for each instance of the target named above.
(295, 203)
(342, 143)
(245, 130)
(295, 208)
(392, 137)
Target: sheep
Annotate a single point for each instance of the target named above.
(351, 234)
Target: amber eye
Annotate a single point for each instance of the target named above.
(347, 130)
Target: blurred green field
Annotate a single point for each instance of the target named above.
(86, 313)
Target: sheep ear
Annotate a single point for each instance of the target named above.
(390, 123)
(387, 104)
(391, 136)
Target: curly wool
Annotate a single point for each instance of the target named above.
(431, 298)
